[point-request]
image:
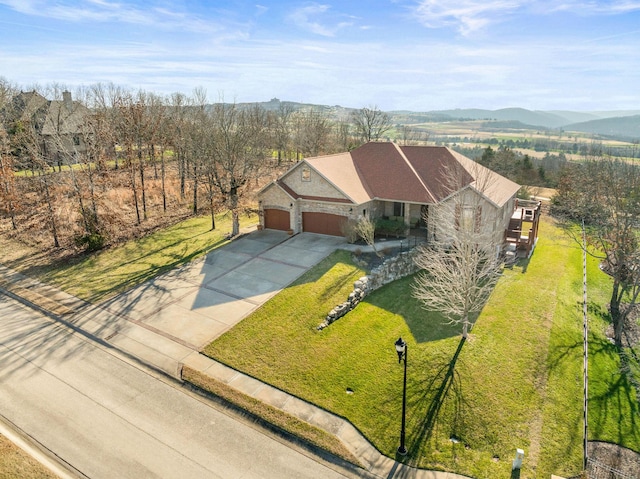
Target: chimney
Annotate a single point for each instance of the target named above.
(66, 97)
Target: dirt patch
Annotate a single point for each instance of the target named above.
(611, 456)
(631, 335)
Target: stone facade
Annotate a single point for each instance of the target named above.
(304, 178)
(391, 270)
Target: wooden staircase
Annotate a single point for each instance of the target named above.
(522, 231)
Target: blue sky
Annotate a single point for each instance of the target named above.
(399, 54)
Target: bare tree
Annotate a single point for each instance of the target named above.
(604, 193)
(134, 133)
(27, 146)
(460, 266)
(366, 229)
(370, 123)
(179, 107)
(282, 129)
(312, 130)
(8, 193)
(128, 137)
(239, 149)
(197, 153)
(413, 136)
(343, 136)
(105, 102)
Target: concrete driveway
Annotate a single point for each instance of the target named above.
(196, 303)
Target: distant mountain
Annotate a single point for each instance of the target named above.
(275, 104)
(494, 125)
(621, 124)
(578, 116)
(528, 117)
(615, 113)
(625, 127)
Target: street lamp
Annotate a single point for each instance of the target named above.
(401, 349)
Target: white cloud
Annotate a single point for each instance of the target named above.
(588, 8)
(469, 16)
(465, 15)
(104, 11)
(306, 18)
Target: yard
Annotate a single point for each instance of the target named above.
(98, 276)
(516, 383)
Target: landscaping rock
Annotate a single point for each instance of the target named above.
(392, 269)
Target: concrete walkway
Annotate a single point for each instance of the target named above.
(166, 321)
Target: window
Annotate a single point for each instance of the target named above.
(468, 218)
(306, 174)
(398, 209)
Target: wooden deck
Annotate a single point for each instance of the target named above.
(522, 233)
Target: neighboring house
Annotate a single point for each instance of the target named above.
(385, 180)
(58, 124)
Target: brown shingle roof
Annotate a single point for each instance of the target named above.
(340, 171)
(386, 174)
(439, 170)
(415, 174)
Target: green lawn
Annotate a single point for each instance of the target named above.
(517, 383)
(103, 274)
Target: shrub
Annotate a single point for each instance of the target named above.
(390, 227)
(90, 242)
(350, 231)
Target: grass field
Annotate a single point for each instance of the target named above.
(516, 383)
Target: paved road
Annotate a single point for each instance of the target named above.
(110, 419)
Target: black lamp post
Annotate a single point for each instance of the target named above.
(401, 349)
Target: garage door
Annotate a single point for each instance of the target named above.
(323, 223)
(276, 219)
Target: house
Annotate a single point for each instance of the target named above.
(58, 124)
(384, 180)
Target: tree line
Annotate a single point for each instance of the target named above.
(169, 152)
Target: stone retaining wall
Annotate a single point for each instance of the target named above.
(392, 269)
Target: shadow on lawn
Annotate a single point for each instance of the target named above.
(433, 396)
(425, 326)
(613, 395)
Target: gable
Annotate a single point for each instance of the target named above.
(274, 195)
(304, 181)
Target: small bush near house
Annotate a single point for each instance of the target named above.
(350, 231)
(390, 227)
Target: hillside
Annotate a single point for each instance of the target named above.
(622, 124)
(627, 127)
(528, 117)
